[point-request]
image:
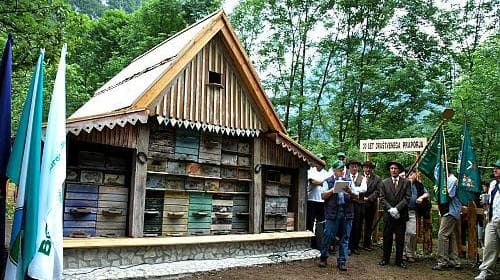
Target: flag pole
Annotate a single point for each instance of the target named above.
(446, 115)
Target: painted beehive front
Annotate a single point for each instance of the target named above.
(153, 212)
(175, 214)
(96, 198)
(112, 211)
(277, 192)
(187, 144)
(240, 214)
(161, 143)
(200, 213)
(210, 148)
(80, 210)
(222, 213)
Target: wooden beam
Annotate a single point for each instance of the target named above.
(138, 184)
(255, 201)
(302, 205)
(86, 243)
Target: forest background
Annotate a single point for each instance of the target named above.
(337, 71)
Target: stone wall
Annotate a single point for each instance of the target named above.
(120, 256)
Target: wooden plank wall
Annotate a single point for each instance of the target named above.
(274, 155)
(189, 97)
(119, 136)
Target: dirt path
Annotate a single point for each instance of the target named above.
(363, 266)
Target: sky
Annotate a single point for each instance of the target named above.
(229, 5)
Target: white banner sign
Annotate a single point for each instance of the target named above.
(392, 145)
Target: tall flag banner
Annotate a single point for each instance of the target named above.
(5, 117)
(469, 182)
(433, 165)
(23, 169)
(48, 260)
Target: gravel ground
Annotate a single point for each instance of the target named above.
(362, 266)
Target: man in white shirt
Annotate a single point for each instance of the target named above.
(315, 204)
(492, 231)
(357, 188)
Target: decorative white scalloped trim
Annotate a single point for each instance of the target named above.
(208, 127)
(296, 151)
(108, 121)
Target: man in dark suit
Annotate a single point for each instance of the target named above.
(369, 198)
(394, 197)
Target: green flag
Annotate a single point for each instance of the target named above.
(433, 165)
(469, 182)
(24, 170)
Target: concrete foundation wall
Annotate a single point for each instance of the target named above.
(76, 258)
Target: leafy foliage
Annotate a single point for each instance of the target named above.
(336, 71)
(101, 40)
(342, 71)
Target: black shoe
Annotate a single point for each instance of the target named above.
(322, 263)
(456, 267)
(342, 266)
(331, 249)
(402, 265)
(383, 263)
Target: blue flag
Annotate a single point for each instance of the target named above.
(23, 169)
(5, 117)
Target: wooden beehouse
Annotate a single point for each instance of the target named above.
(184, 141)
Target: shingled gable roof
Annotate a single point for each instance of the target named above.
(135, 88)
(131, 95)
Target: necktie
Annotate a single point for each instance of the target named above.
(395, 182)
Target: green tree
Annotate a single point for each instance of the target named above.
(476, 98)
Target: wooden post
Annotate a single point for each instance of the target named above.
(138, 184)
(255, 200)
(420, 230)
(471, 235)
(302, 206)
(427, 242)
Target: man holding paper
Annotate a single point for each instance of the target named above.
(394, 197)
(339, 212)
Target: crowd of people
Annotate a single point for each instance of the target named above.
(343, 200)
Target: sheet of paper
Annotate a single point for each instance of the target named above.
(340, 185)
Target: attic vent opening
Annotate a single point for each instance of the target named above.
(215, 79)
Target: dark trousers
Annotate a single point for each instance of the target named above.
(397, 227)
(367, 219)
(356, 226)
(315, 212)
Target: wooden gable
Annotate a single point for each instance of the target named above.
(210, 90)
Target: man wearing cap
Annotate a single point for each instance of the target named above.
(373, 184)
(315, 207)
(341, 156)
(447, 240)
(338, 216)
(356, 180)
(492, 231)
(394, 197)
